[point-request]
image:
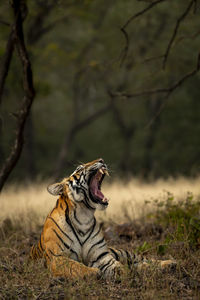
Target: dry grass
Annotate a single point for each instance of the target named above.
(19, 200)
(170, 231)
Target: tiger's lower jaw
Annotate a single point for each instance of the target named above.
(98, 203)
(99, 206)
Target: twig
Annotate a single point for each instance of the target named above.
(188, 37)
(126, 47)
(91, 118)
(4, 23)
(123, 28)
(167, 91)
(127, 131)
(195, 6)
(142, 12)
(152, 58)
(173, 88)
(161, 90)
(72, 133)
(139, 94)
(176, 28)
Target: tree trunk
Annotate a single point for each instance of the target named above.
(20, 11)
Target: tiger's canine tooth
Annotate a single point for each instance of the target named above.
(106, 172)
(102, 172)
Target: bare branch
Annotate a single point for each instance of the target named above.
(176, 28)
(173, 88)
(147, 1)
(29, 94)
(143, 11)
(44, 30)
(165, 91)
(126, 131)
(123, 28)
(78, 91)
(72, 133)
(188, 37)
(139, 94)
(36, 28)
(4, 23)
(147, 60)
(195, 6)
(92, 117)
(161, 90)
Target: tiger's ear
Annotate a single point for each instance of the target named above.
(56, 189)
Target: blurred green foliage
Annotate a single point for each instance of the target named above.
(75, 50)
(181, 218)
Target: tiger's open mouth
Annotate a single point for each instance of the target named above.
(95, 186)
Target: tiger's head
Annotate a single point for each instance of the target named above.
(84, 185)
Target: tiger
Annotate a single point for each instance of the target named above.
(72, 241)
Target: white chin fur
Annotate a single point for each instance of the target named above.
(101, 206)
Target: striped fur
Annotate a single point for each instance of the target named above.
(72, 241)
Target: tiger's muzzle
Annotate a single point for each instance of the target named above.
(95, 183)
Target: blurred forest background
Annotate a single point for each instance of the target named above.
(114, 79)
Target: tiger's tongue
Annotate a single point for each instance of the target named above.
(95, 189)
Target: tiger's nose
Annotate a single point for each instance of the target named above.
(101, 160)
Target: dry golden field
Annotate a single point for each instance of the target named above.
(133, 194)
(159, 219)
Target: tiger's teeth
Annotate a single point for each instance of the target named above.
(105, 200)
(106, 172)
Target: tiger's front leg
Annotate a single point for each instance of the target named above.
(108, 266)
(125, 257)
(62, 266)
(131, 259)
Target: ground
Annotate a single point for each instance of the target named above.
(169, 229)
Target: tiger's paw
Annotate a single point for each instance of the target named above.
(116, 273)
(93, 272)
(119, 272)
(168, 264)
